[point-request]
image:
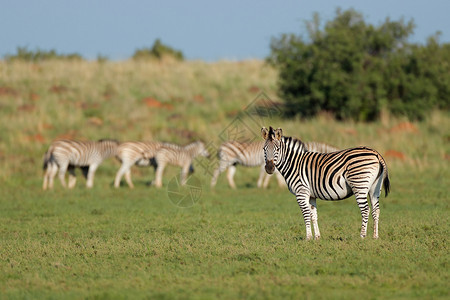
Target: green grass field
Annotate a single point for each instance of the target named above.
(105, 243)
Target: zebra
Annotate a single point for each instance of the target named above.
(233, 153)
(65, 155)
(329, 176)
(132, 153)
(181, 156)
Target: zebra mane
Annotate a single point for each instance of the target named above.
(294, 143)
(108, 140)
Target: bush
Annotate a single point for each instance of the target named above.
(24, 54)
(158, 51)
(353, 70)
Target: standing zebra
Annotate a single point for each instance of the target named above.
(68, 154)
(181, 156)
(233, 153)
(132, 153)
(310, 146)
(332, 176)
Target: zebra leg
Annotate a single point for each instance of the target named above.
(128, 179)
(314, 218)
(223, 165)
(52, 170)
(230, 176)
(62, 174)
(72, 177)
(124, 168)
(302, 200)
(159, 173)
(263, 180)
(361, 199)
(280, 179)
(184, 172)
(90, 176)
(46, 177)
(374, 195)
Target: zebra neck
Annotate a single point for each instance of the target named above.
(290, 149)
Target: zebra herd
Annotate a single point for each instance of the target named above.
(311, 170)
(65, 155)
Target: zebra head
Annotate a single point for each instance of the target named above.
(202, 149)
(271, 147)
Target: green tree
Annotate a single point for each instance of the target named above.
(354, 69)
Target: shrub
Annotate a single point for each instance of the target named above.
(353, 69)
(158, 51)
(37, 55)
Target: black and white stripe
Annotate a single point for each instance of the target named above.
(65, 155)
(235, 153)
(181, 156)
(332, 176)
(132, 153)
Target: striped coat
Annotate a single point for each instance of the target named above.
(357, 171)
(181, 156)
(132, 153)
(235, 153)
(65, 155)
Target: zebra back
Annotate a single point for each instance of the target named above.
(80, 153)
(320, 147)
(246, 154)
(134, 151)
(179, 155)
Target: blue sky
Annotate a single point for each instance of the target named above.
(201, 29)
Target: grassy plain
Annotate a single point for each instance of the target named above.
(105, 243)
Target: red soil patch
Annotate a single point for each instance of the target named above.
(46, 126)
(36, 138)
(199, 99)
(404, 127)
(152, 102)
(7, 91)
(393, 154)
(26, 107)
(95, 121)
(253, 89)
(85, 105)
(34, 97)
(68, 135)
(58, 89)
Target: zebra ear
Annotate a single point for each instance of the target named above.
(264, 133)
(278, 133)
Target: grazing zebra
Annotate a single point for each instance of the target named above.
(233, 153)
(329, 176)
(65, 155)
(132, 153)
(181, 156)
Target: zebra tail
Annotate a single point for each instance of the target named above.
(387, 185)
(48, 157)
(386, 181)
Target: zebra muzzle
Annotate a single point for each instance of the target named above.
(270, 167)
